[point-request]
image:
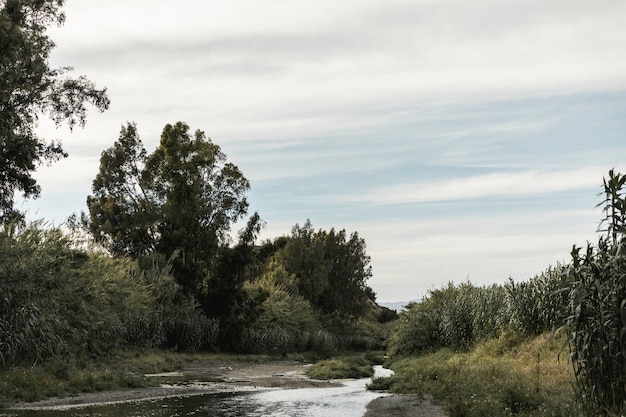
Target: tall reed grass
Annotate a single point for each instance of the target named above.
(597, 321)
(458, 316)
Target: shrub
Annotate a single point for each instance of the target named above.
(520, 377)
(345, 368)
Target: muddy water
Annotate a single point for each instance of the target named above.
(349, 400)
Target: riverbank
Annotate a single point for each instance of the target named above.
(403, 405)
(216, 376)
(198, 377)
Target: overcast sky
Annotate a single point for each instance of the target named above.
(461, 140)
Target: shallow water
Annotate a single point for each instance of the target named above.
(349, 400)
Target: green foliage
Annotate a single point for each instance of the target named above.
(62, 376)
(499, 377)
(179, 200)
(58, 300)
(281, 309)
(331, 269)
(343, 368)
(588, 295)
(123, 208)
(29, 268)
(381, 383)
(457, 316)
(29, 88)
(417, 329)
(387, 315)
(541, 303)
(597, 321)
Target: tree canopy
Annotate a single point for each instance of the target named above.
(180, 200)
(29, 88)
(332, 269)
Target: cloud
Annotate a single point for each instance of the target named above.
(497, 184)
(412, 255)
(278, 56)
(415, 122)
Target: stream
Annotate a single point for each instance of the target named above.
(349, 400)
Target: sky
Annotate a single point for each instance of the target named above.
(462, 140)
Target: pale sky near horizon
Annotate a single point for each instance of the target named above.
(461, 140)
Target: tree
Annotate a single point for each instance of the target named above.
(179, 200)
(222, 295)
(332, 269)
(350, 269)
(303, 256)
(124, 208)
(30, 88)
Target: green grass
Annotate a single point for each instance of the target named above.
(501, 377)
(59, 378)
(341, 368)
(125, 369)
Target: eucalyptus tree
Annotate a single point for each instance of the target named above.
(178, 201)
(332, 269)
(30, 88)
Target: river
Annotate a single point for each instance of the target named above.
(348, 400)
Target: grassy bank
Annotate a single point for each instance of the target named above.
(345, 367)
(128, 369)
(508, 376)
(122, 370)
(64, 377)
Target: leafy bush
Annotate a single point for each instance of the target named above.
(381, 383)
(345, 368)
(417, 329)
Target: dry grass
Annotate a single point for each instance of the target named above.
(507, 376)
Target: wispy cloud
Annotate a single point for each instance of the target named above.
(392, 117)
(497, 184)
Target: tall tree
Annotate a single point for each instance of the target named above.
(347, 292)
(29, 88)
(179, 200)
(332, 269)
(124, 208)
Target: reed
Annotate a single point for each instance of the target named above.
(597, 321)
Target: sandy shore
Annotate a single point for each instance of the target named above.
(205, 378)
